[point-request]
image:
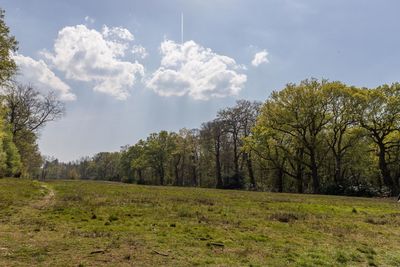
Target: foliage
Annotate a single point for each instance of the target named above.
(315, 137)
(8, 45)
(23, 111)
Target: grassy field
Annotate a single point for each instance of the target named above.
(77, 223)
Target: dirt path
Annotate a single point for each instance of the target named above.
(47, 200)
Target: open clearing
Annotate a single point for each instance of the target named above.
(83, 223)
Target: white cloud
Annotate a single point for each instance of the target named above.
(116, 33)
(89, 19)
(139, 51)
(88, 55)
(260, 58)
(190, 69)
(39, 75)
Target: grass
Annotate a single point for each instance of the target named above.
(87, 223)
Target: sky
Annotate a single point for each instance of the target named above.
(123, 70)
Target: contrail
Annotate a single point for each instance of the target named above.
(182, 28)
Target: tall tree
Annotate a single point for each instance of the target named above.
(27, 112)
(300, 111)
(212, 134)
(249, 111)
(379, 113)
(8, 45)
(139, 160)
(343, 132)
(159, 148)
(28, 109)
(107, 166)
(231, 122)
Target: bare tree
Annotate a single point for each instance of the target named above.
(238, 122)
(212, 133)
(27, 109)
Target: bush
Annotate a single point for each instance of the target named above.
(234, 182)
(356, 190)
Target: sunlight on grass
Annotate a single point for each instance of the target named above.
(98, 223)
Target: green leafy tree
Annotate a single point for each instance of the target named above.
(107, 166)
(379, 113)
(343, 133)
(13, 162)
(159, 149)
(27, 111)
(301, 111)
(8, 45)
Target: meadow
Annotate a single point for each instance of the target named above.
(89, 223)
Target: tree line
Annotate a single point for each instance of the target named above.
(316, 136)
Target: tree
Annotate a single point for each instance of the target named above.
(158, 150)
(343, 132)
(10, 160)
(301, 111)
(13, 158)
(211, 135)
(139, 160)
(279, 151)
(192, 151)
(8, 45)
(237, 122)
(127, 174)
(249, 111)
(26, 143)
(230, 119)
(379, 113)
(107, 166)
(28, 109)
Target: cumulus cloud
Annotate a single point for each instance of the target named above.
(37, 72)
(190, 69)
(116, 33)
(87, 55)
(260, 58)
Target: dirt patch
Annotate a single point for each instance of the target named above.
(47, 200)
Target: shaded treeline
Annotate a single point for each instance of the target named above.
(311, 137)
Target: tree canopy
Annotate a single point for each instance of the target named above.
(317, 136)
(8, 45)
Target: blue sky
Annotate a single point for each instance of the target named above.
(123, 72)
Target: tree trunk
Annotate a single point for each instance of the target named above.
(182, 175)
(140, 174)
(194, 175)
(299, 171)
(177, 180)
(218, 165)
(338, 170)
(236, 163)
(314, 173)
(250, 169)
(161, 174)
(385, 172)
(279, 180)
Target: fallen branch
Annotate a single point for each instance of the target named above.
(97, 252)
(161, 253)
(216, 244)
